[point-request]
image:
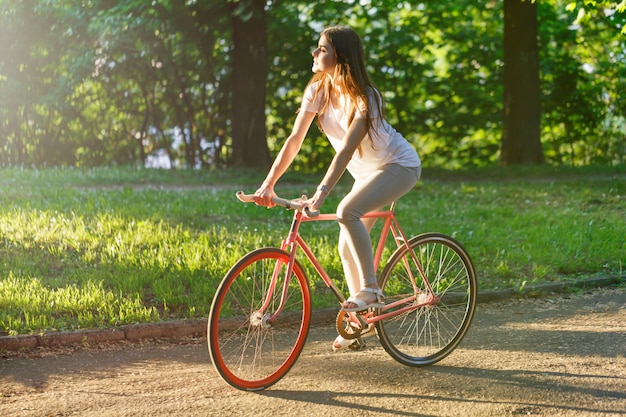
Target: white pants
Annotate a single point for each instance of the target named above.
(381, 188)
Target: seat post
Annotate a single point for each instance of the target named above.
(392, 207)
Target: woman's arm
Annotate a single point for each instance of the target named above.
(354, 136)
(285, 157)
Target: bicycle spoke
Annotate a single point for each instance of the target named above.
(429, 333)
(249, 350)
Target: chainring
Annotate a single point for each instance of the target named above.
(347, 327)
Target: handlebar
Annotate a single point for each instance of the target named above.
(288, 204)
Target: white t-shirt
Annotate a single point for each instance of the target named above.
(384, 146)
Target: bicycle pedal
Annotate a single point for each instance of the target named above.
(358, 344)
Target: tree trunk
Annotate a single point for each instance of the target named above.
(521, 141)
(249, 144)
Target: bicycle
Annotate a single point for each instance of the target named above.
(261, 312)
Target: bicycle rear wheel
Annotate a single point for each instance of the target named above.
(250, 349)
(427, 334)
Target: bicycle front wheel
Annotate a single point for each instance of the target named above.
(433, 328)
(251, 346)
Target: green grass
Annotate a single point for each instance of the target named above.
(106, 247)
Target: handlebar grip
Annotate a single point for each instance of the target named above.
(288, 204)
(245, 198)
(311, 213)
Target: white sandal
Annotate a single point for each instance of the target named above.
(341, 343)
(362, 305)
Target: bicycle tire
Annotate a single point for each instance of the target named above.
(426, 335)
(248, 352)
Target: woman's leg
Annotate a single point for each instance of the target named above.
(378, 190)
(350, 264)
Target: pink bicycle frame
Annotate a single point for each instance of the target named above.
(295, 241)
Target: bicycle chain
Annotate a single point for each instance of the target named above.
(348, 329)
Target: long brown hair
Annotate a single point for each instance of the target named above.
(350, 74)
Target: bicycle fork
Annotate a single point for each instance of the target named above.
(263, 317)
(288, 245)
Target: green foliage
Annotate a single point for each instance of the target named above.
(583, 79)
(102, 82)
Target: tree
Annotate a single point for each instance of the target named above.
(114, 81)
(249, 74)
(37, 74)
(164, 70)
(581, 55)
(521, 141)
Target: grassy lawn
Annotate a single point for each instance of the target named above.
(106, 247)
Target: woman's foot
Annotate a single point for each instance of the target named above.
(340, 343)
(354, 344)
(364, 299)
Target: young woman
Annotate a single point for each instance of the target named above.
(383, 164)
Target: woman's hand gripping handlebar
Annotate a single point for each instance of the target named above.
(297, 204)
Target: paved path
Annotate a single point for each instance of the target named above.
(555, 356)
